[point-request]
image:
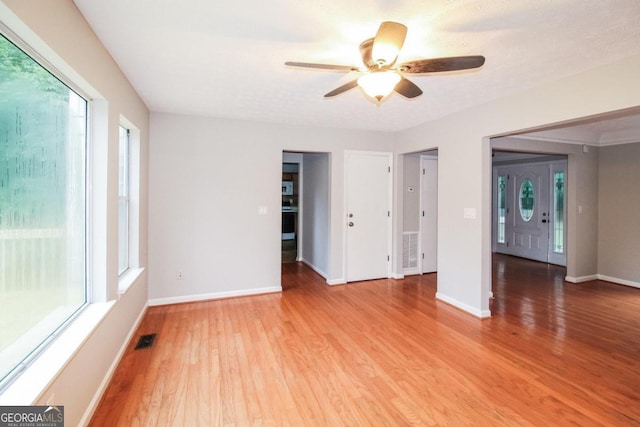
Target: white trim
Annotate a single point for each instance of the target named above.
(399, 276)
(603, 277)
(20, 33)
(93, 405)
(581, 279)
(333, 282)
(30, 384)
(463, 306)
(213, 296)
(561, 140)
(313, 267)
(618, 281)
(127, 279)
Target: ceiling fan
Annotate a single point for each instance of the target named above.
(382, 76)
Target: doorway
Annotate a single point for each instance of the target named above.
(529, 209)
(291, 186)
(306, 194)
(290, 210)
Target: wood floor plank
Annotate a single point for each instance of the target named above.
(386, 352)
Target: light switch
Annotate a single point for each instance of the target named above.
(262, 210)
(469, 213)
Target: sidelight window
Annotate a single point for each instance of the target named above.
(558, 210)
(502, 207)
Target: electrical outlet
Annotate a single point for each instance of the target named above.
(179, 276)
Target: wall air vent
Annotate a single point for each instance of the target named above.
(410, 250)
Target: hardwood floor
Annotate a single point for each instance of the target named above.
(385, 352)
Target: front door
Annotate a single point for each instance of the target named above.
(368, 215)
(529, 227)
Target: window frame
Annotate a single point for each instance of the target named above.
(17, 371)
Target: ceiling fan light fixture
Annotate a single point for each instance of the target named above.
(379, 84)
(384, 53)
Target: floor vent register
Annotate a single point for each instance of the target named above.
(145, 341)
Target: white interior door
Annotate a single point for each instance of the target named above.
(368, 215)
(527, 223)
(429, 213)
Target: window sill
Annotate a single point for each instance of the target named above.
(28, 387)
(127, 279)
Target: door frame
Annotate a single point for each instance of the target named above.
(345, 213)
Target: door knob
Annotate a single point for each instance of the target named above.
(350, 224)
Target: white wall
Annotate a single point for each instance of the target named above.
(316, 211)
(619, 213)
(464, 245)
(58, 32)
(208, 179)
(411, 200)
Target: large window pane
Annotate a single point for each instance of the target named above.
(123, 201)
(42, 205)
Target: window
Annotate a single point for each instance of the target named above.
(42, 206)
(502, 207)
(558, 211)
(526, 199)
(123, 200)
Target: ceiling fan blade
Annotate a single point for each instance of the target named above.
(365, 53)
(407, 88)
(345, 68)
(436, 65)
(388, 42)
(345, 87)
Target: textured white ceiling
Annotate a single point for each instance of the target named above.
(226, 59)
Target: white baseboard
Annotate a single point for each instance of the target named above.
(463, 306)
(411, 271)
(399, 276)
(340, 281)
(581, 279)
(618, 281)
(313, 267)
(604, 277)
(93, 405)
(213, 295)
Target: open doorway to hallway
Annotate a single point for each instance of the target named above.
(603, 167)
(290, 208)
(420, 213)
(306, 209)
